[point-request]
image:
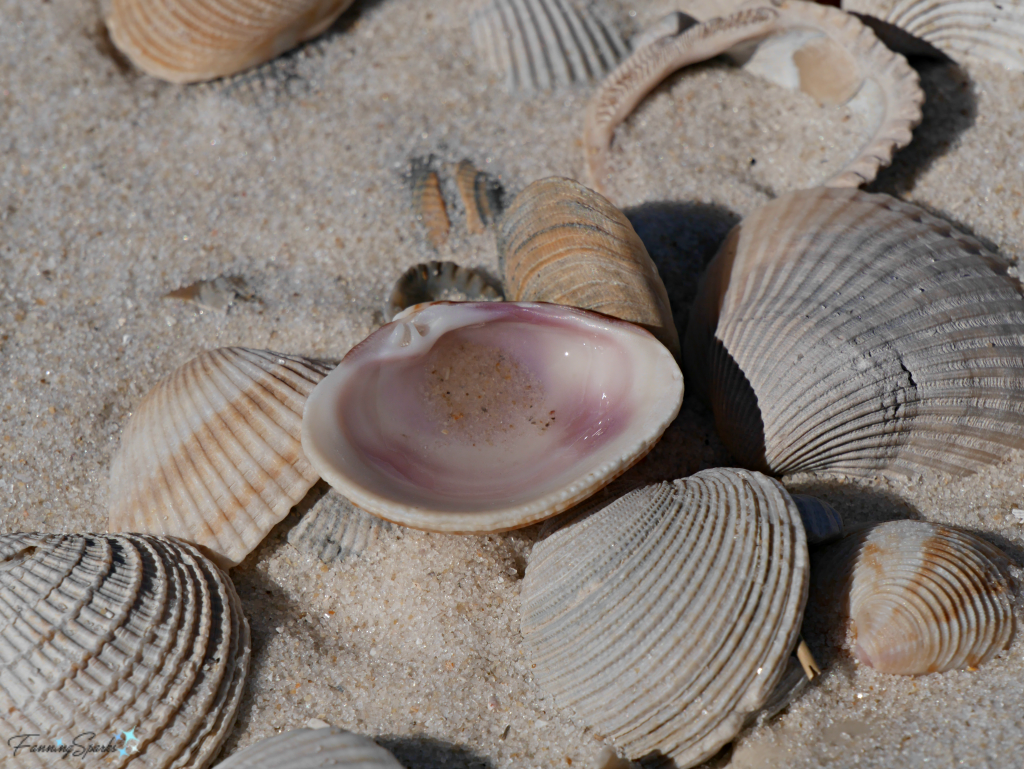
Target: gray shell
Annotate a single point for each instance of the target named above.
(329, 748)
(334, 529)
(118, 633)
(667, 618)
(439, 281)
(821, 521)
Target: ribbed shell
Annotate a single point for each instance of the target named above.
(118, 633)
(480, 194)
(560, 242)
(539, 45)
(989, 29)
(329, 748)
(667, 617)
(821, 521)
(428, 202)
(921, 598)
(185, 41)
(847, 332)
(438, 281)
(334, 529)
(213, 453)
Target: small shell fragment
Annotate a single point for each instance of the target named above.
(326, 748)
(821, 521)
(439, 281)
(334, 529)
(428, 202)
(480, 195)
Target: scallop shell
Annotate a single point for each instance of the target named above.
(841, 331)
(563, 243)
(480, 194)
(138, 640)
(831, 54)
(920, 597)
(668, 617)
(185, 41)
(329, 748)
(428, 202)
(334, 529)
(539, 45)
(213, 455)
(439, 281)
(989, 29)
(821, 521)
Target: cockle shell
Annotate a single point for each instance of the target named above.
(841, 331)
(134, 640)
(438, 281)
(480, 195)
(920, 597)
(428, 202)
(185, 41)
(668, 617)
(473, 417)
(213, 453)
(821, 521)
(329, 748)
(561, 242)
(334, 529)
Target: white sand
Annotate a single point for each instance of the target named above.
(116, 189)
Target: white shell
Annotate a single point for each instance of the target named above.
(475, 417)
(334, 529)
(666, 618)
(111, 634)
(328, 748)
(212, 454)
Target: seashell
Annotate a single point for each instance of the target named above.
(130, 640)
(667, 618)
(480, 194)
(846, 332)
(327, 748)
(476, 417)
(218, 294)
(212, 454)
(821, 521)
(428, 203)
(539, 45)
(920, 597)
(185, 41)
(563, 243)
(989, 29)
(439, 281)
(334, 529)
(831, 56)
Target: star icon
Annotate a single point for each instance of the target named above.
(130, 736)
(123, 752)
(59, 743)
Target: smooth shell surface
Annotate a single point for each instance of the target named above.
(213, 453)
(476, 417)
(185, 41)
(334, 529)
(329, 748)
(116, 634)
(668, 617)
(921, 598)
(821, 521)
(841, 331)
(561, 242)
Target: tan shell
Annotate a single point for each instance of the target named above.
(668, 617)
(185, 41)
(213, 453)
(480, 195)
(428, 202)
(328, 748)
(920, 597)
(116, 634)
(563, 243)
(841, 331)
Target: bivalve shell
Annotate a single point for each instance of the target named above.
(438, 281)
(334, 529)
(328, 748)
(821, 521)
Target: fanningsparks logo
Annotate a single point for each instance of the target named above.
(80, 746)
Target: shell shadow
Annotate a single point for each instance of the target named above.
(421, 752)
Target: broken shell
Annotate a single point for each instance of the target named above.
(185, 41)
(126, 637)
(480, 194)
(326, 748)
(334, 529)
(821, 521)
(668, 617)
(212, 454)
(920, 597)
(831, 55)
(439, 281)
(841, 331)
(561, 242)
(428, 202)
(476, 417)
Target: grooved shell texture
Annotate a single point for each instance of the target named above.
(111, 634)
(667, 617)
(334, 529)
(921, 598)
(841, 331)
(329, 748)
(213, 454)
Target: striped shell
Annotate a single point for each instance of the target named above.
(185, 41)
(329, 748)
(563, 243)
(539, 45)
(920, 597)
(846, 332)
(428, 202)
(480, 194)
(669, 616)
(213, 454)
(138, 640)
(438, 281)
(334, 529)
(821, 521)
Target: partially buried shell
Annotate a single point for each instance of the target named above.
(133, 641)
(563, 243)
(666, 618)
(481, 196)
(185, 41)
(329, 748)
(920, 597)
(428, 202)
(438, 281)
(841, 331)
(334, 529)
(213, 453)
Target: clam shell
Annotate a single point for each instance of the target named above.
(846, 332)
(438, 281)
(334, 529)
(108, 634)
(821, 521)
(561, 242)
(668, 617)
(480, 195)
(185, 41)
(329, 748)
(428, 202)
(473, 417)
(212, 454)
(920, 597)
